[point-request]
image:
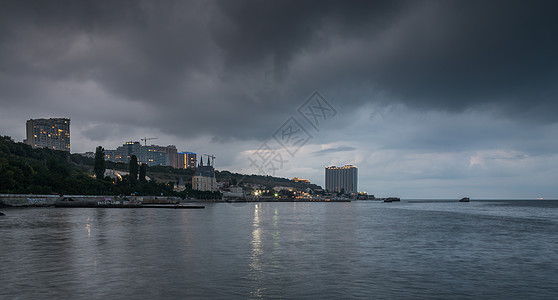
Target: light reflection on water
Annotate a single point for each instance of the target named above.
(283, 250)
(257, 251)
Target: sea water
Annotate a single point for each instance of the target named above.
(364, 249)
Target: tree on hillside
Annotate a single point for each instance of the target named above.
(100, 162)
(142, 172)
(133, 168)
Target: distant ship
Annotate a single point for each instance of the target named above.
(391, 199)
(465, 199)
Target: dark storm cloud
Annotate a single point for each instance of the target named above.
(238, 69)
(431, 54)
(254, 31)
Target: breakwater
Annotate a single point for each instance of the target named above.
(30, 200)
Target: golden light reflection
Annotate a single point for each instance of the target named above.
(256, 265)
(88, 227)
(276, 233)
(256, 240)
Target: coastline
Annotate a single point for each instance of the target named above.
(30, 200)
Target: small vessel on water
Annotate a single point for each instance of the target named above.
(392, 199)
(464, 199)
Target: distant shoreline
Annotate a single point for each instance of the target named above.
(29, 200)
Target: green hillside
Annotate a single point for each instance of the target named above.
(24, 170)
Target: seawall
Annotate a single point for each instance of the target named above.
(25, 200)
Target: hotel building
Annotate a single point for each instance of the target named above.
(53, 133)
(339, 179)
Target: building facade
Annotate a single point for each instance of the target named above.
(341, 179)
(150, 155)
(171, 155)
(154, 155)
(123, 153)
(187, 160)
(53, 133)
(204, 178)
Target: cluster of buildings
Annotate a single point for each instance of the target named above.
(152, 155)
(341, 183)
(54, 133)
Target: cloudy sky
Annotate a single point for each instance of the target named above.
(430, 99)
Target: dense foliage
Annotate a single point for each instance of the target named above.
(100, 162)
(24, 170)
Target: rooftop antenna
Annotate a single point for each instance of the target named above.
(145, 139)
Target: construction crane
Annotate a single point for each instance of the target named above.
(145, 139)
(212, 159)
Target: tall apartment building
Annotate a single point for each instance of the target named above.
(53, 133)
(339, 179)
(187, 160)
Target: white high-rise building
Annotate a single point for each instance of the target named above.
(341, 179)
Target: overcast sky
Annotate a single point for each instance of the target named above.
(430, 99)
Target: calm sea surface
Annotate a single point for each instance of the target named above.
(367, 250)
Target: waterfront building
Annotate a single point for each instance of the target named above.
(204, 178)
(53, 133)
(187, 160)
(341, 179)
